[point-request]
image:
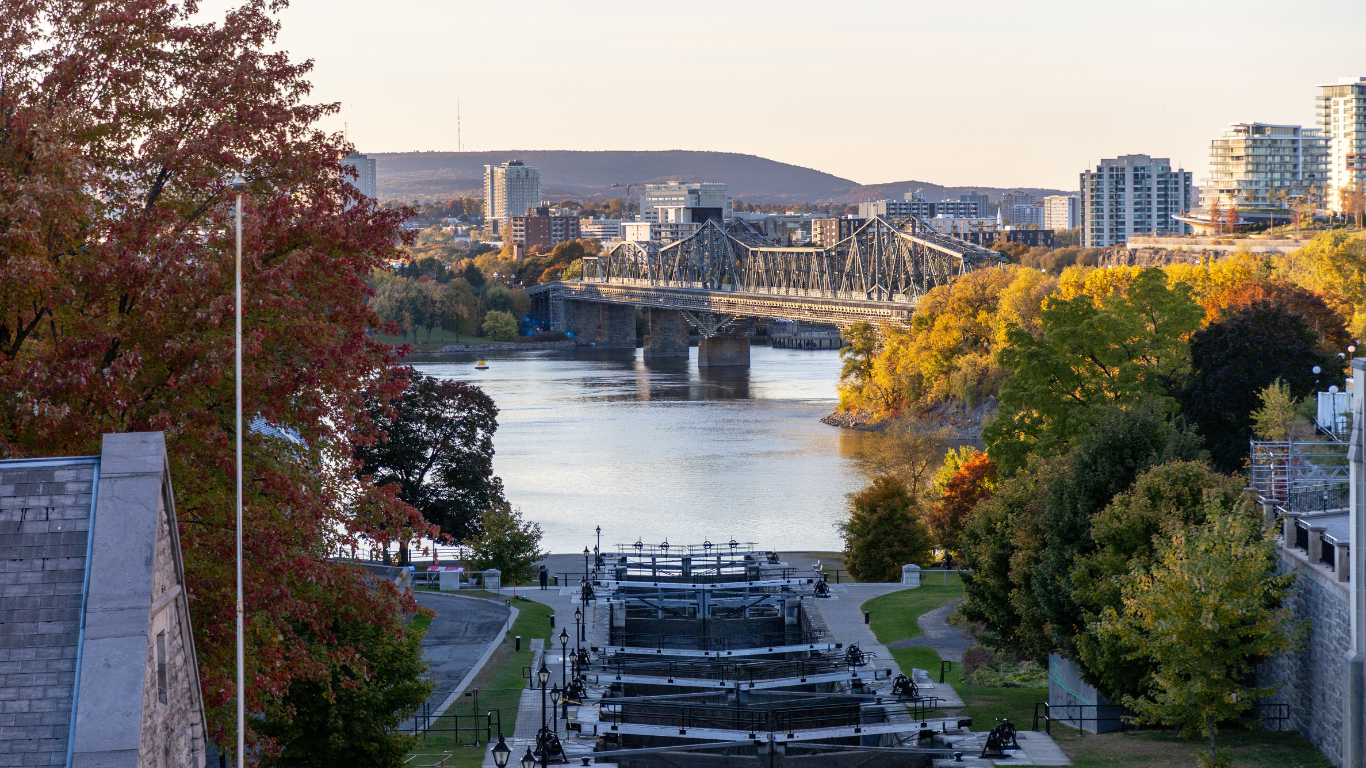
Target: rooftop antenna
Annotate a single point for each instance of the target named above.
(459, 141)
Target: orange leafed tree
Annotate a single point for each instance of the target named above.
(974, 482)
(121, 126)
(1216, 214)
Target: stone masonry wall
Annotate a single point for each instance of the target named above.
(171, 730)
(1312, 678)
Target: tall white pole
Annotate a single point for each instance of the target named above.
(238, 184)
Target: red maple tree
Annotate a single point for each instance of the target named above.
(974, 482)
(121, 126)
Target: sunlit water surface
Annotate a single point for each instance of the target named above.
(653, 451)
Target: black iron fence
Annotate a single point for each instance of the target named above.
(474, 720)
(743, 642)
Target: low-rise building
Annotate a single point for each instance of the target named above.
(538, 227)
(606, 230)
(711, 197)
(827, 232)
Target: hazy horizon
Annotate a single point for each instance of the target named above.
(992, 94)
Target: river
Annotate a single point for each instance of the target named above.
(662, 451)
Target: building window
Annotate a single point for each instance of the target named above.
(161, 667)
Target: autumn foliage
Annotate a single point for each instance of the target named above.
(975, 481)
(121, 126)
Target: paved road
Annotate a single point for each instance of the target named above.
(460, 633)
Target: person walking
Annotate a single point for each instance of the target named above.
(545, 577)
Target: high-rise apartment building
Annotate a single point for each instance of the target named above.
(1026, 215)
(1260, 165)
(1011, 199)
(1060, 212)
(709, 196)
(366, 180)
(981, 207)
(1132, 195)
(1342, 113)
(510, 189)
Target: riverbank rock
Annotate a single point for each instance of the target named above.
(855, 420)
(966, 423)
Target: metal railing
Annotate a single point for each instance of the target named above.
(735, 670)
(1293, 473)
(756, 640)
(1265, 713)
(840, 713)
(474, 720)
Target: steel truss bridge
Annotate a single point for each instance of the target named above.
(728, 271)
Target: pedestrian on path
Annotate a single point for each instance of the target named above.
(545, 577)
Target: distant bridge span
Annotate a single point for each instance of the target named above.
(722, 277)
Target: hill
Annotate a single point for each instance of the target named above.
(592, 175)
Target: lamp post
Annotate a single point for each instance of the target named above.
(564, 651)
(238, 185)
(586, 553)
(543, 677)
(501, 752)
(555, 694)
(597, 548)
(578, 628)
(528, 760)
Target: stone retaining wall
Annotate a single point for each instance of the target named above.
(1313, 677)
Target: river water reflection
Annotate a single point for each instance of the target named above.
(596, 437)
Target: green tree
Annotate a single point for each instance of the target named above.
(1038, 529)
(1206, 613)
(907, 450)
(350, 718)
(436, 444)
(1127, 348)
(885, 531)
(1236, 358)
(1275, 420)
(1181, 493)
(507, 543)
(973, 482)
(500, 326)
(858, 354)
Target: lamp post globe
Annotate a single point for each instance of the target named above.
(501, 752)
(543, 674)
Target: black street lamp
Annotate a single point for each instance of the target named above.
(597, 548)
(528, 760)
(555, 707)
(501, 752)
(543, 677)
(586, 553)
(564, 651)
(578, 627)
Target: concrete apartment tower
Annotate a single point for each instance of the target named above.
(510, 189)
(1342, 113)
(366, 180)
(1060, 212)
(1132, 195)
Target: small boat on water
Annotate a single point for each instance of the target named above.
(481, 366)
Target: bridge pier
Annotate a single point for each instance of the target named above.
(723, 352)
(668, 335)
(611, 326)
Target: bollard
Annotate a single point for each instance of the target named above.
(552, 621)
(867, 617)
(519, 643)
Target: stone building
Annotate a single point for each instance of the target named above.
(97, 660)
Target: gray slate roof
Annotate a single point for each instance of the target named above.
(45, 509)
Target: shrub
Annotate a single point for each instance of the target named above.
(500, 326)
(885, 531)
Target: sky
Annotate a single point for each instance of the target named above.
(967, 93)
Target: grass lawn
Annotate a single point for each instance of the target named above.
(894, 618)
(1160, 749)
(499, 683)
(440, 337)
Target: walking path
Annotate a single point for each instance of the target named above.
(939, 634)
(462, 633)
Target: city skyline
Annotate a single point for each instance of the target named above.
(1166, 99)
